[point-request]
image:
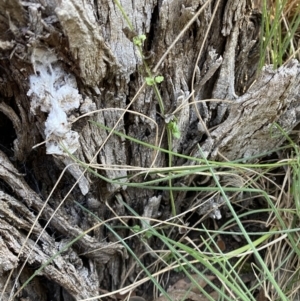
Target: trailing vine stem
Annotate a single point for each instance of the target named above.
(152, 80)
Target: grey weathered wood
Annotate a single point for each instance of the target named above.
(249, 129)
(88, 45)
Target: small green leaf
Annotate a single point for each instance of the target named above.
(138, 40)
(159, 79)
(149, 81)
(173, 126)
(136, 228)
(148, 234)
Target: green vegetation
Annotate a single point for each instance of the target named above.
(273, 254)
(280, 36)
(281, 214)
(264, 194)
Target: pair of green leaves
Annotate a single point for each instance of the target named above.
(152, 80)
(138, 41)
(137, 229)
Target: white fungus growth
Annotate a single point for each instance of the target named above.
(55, 92)
(56, 123)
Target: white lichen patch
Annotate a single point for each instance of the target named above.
(211, 207)
(55, 92)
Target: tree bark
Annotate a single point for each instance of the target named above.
(61, 59)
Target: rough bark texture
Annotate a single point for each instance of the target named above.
(83, 49)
